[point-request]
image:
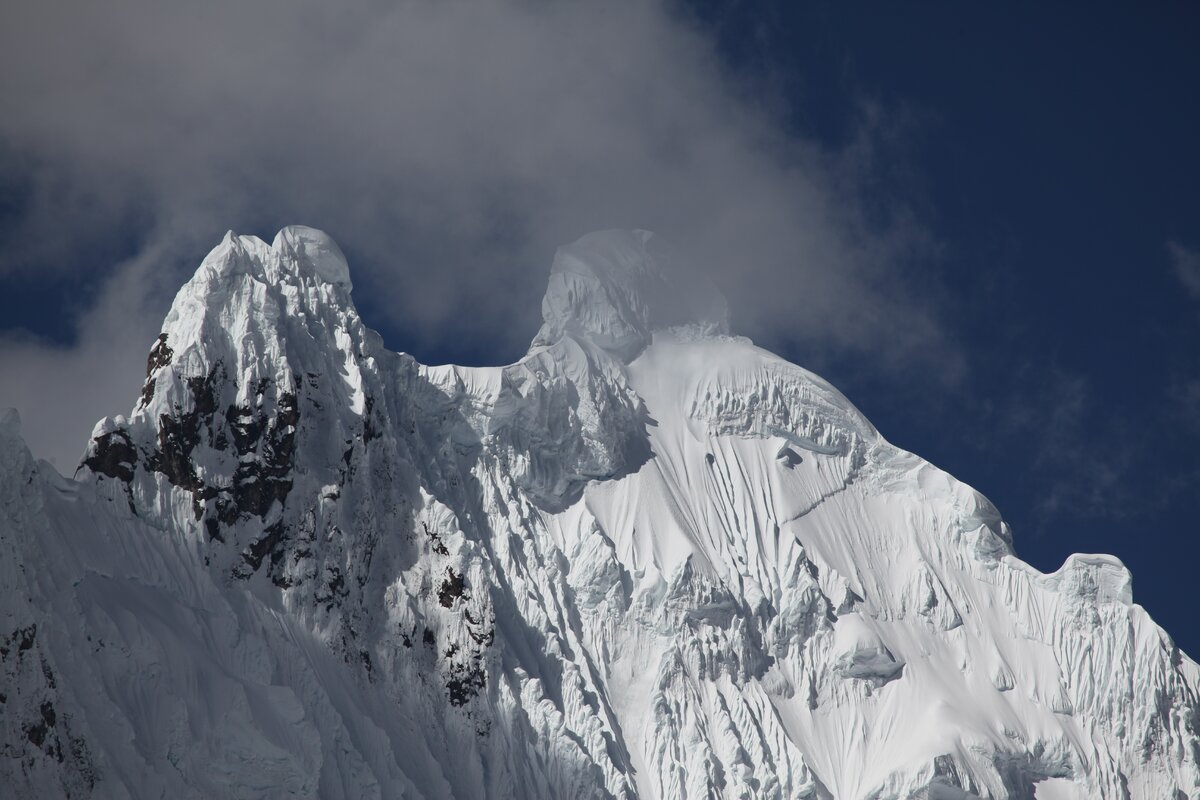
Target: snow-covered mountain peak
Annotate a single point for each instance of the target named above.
(311, 249)
(614, 288)
(261, 353)
(645, 561)
(297, 254)
(260, 306)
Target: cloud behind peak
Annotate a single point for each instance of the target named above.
(449, 147)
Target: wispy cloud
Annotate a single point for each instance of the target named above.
(1185, 263)
(449, 147)
(61, 391)
(1075, 456)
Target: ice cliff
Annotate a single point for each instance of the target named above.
(649, 560)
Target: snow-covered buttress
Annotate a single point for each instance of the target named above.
(647, 560)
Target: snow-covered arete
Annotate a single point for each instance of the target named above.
(647, 560)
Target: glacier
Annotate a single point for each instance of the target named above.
(648, 560)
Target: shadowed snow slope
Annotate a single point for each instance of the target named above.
(647, 560)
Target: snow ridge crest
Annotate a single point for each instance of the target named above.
(644, 561)
(297, 253)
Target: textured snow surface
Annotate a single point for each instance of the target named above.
(647, 560)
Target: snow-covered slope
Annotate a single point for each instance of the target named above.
(647, 560)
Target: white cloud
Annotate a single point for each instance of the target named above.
(449, 147)
(61, 391)
(1185, 263)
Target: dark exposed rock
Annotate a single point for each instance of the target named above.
(48, 674)
(788, 457)
(204, 392)
(179, 435)
(254, 493)
(263, 546)
(147, 392)
(227, 510)
(481, 631)
(25, 637)
(451, 588)
(261, 482)
(160, 355)
(39, 733)
(334, 589)
(36, 733)
(246, 428)
(369, 430)
(465, 681)
(438, 545)
(81, 757)
(265, 447)
(48, 715)
(112, 454)
(176, 439)
(337, 582)
(289, 409)
(484, 638)
(21, 638)
(258, 483)
(213, 529)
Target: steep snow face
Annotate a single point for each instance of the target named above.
(648, 560)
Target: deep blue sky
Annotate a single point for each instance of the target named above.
(1054, 150)
(1046, 156)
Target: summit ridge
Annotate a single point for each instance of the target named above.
(647, 560)
(615, 288)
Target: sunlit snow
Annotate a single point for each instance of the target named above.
(650, 559)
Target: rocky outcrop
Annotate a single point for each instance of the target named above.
(647, 560)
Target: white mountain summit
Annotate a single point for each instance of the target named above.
(647, 560)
